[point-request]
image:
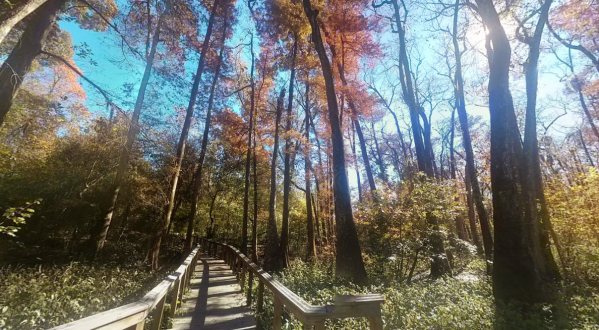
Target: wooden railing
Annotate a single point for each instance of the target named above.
(368, 306)
(133, 316)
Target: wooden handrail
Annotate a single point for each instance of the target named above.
(133, 316)
(368, 306)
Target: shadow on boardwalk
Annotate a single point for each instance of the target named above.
(214, 301)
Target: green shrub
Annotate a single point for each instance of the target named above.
(39, 298)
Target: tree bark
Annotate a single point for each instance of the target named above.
(132, 134)
(471, 214)
(353, 149)
(273, 258)
(197, 178)
(182, 141)
(287, 169)
(348, 261)
(9, 19)
(518, 269)
(476, 193)
(439, 262)
(246, 194)
(531, 144)
(311, 253)
(30, 45)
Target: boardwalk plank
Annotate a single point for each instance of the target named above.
(215, 301)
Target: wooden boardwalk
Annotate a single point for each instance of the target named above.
(214, 300)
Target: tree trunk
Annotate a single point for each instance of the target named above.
(132, 134)
(287, 169)
(255, 222)
(531, 144)
(311, 253)
(9, 19)
(459, 221)
(182, 141)
(353, 149)
(246, 194)
(197, 178)
(471, 215)
(349, 261)
(439, 261)
(380, 161)
(273, 258)
(518, 269)
(30, 44)
(476, 193)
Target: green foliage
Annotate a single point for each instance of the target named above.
(462, 302)
(396, 233)
(40, 298)
(15, 216)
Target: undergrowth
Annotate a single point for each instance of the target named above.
(461, 302)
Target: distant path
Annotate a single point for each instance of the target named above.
(214, 301)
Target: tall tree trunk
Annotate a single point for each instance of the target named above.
(380, 161)
(531, 144)
(471, 215)
(132, 134)
(287, 170)
(355, 120)
(319, 210)
(476, 193)
(349, 261)
(182, 141)
(459, 221)
(13, 16)
(518, 268)
(586, 150)
(255, 222)
(353, 149)
(273, 258)
(311, 253)
(197, 177)
(30, 44)
(439, 262)
(246, 194)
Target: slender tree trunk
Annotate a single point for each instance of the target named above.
(311, 253)
(9, 19)
(321, 200)
(183, 140)
(471, 215)
(273, 258)
(380, 161)
(197, 177)
(349, 261)
(531, 144)
(356, 122)
(287, 170)
(439, 262)
(353, 149)
(255, 222)
(586, 150)
(30, 45)
(210, 233)
(246, 196)
(518, 268)
(459, 221)
(476, 193)
(132, 134)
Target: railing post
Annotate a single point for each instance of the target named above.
(319, 326)
(157, 316)
(250, 282)
(376, 322)
(175, 297)
(242, 282)
(260, 302)
(276, 318)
